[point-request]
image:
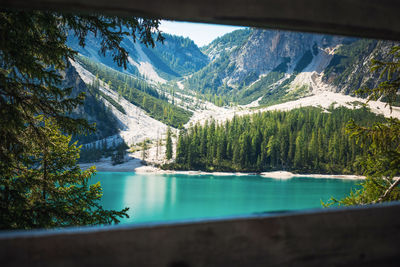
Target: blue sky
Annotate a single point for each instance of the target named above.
(201, 33)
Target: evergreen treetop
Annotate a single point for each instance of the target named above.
(41, 184)
(381, 162)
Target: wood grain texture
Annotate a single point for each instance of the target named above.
(337, 237)
(367, 18)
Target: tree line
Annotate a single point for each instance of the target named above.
(138, 92)
(95, 151)
(301, 140)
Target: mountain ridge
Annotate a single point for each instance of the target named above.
(254, 70)
(175, 57)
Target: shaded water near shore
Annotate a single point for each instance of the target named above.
(167, 197)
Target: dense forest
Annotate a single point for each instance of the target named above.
(301, 140)
(138, 92)
(176, 57)
(95, 152)
(232, 39)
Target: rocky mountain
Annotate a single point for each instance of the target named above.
(174, 58)
(177, 84)
(93, 110)
(226, 43)
(349, 68)
(271, 67)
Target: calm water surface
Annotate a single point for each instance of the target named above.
(152, 198)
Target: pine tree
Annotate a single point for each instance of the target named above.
(168, 145)
(157, 145)
(39, 185)
(181, 152)
(381, 162)
(118, 157)
(144, 149)
(298, 154)
(50, 190)
(144, 103)
(291, 140)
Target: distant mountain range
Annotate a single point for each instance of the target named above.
(277, 66)
(174, 58)
(248, 66)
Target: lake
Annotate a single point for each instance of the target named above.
(166, 197)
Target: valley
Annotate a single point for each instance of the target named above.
(177, 85)
(106, 118)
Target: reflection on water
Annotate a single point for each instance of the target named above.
(175, 197)
(148, 195)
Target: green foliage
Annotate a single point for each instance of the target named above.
(267, 87)
(260, 88)
(96, 112)
(90, 154)
(235, 38)
(163, 70)
(144, 149)
(279, 94)
(283, 66)
(118, 79)
(168, 145)
(40, 183)
(119, 156)
(33, 53)
(95, 151)
(371, 190)
(389, 88)
(176, 57)
(381, 163)
(250, 78)
(208, 80)
(50, 190)
(135, 91)
(209, 83)
(303, 140)
(94, 89)
(29, 78)
(341, 67)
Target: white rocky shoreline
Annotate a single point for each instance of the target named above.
(135, 165)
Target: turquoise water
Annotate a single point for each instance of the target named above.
(154, 198)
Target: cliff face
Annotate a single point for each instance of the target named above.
(266, 50)
(93, 109)
(349, 68)
(249, 66)
(252, 64)
(276, 66)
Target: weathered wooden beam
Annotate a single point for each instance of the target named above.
(366, 236)
(366, 18)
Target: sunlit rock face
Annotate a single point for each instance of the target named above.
(323, 62)
(248, 66)
(266, 50)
